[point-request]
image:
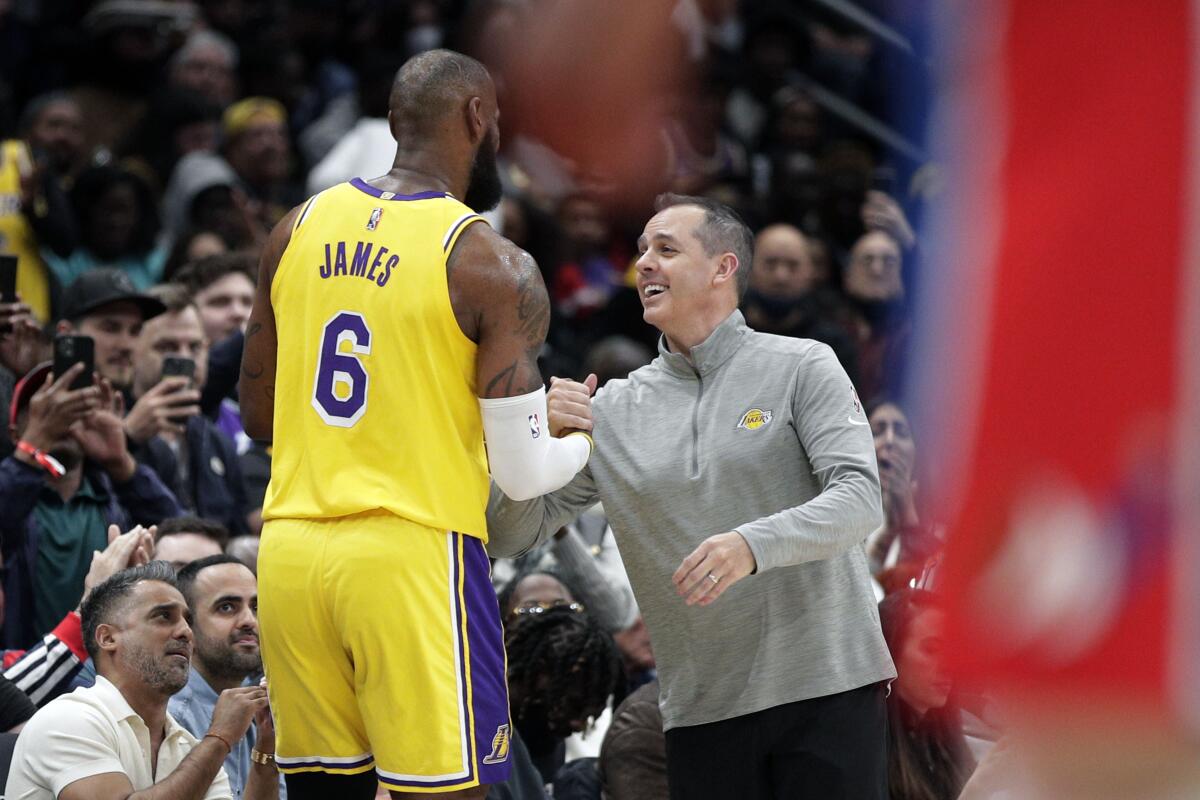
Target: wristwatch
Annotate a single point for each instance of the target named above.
(262, 758)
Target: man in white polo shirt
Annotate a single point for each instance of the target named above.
(115, 740)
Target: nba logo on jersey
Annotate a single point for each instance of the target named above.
(535, 427)
(374, 220)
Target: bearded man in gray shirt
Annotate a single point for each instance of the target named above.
(738, 473)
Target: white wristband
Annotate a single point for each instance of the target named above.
(525, 460)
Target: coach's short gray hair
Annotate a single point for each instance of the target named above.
(722, 231)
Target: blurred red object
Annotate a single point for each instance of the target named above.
(1064, 350)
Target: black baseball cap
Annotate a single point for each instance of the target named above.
(99, 287)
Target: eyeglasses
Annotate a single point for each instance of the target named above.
(541, 607)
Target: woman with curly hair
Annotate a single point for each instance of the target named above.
(562, 668)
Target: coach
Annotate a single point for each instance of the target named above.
(738, 473)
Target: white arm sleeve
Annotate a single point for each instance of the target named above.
(525, 460)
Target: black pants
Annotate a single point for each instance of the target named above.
(827, 748)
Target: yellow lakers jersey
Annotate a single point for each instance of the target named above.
(16, 234)
(375, 403)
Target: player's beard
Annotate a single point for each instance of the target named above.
(484, 189)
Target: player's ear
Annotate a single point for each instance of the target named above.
(476, 124)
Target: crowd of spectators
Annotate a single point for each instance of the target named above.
(149, 146)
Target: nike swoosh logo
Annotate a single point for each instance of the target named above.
(853, 421)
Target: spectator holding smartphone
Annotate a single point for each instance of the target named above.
(187, 450)
(70, 477)
(105, 305)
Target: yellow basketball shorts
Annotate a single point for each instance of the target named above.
(383, 649)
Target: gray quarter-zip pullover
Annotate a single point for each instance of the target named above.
(756, 433)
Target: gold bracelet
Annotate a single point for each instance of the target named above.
(262, 758)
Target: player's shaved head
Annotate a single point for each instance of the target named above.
(433, 84)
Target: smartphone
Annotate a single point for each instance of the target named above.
(71, 350)
(8, 285)
(177, 366)
(883, 179)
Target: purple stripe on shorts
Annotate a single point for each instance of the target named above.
(493, 729)
(327, 764)
(392, 783)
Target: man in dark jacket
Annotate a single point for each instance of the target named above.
(70, 477)
(187, 450)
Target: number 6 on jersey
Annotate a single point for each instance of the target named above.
(340, 389)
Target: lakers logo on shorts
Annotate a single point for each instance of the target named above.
(755, 418)
(500, 746)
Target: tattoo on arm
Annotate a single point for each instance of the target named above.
(533, 310)
(533, 321)
(252, 371)
(501, 385)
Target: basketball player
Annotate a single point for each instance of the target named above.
(391, 332)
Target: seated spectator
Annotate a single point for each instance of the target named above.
(181, 540)
(35, 211)
(531, 589)
(563, 573)
(92, 743)
(206, 64)
(170, 435)
(192, 244)
(782, 274)
(874, 284)
(258, 149)
(633, 758)
(104, 305)
(562, 669)
(118, 226)
(787, 296)
(222, 595)
(48, 669)
(637, 653)
(224, 290)
(903, 546)
(928, 757)
(70, 478)
(52, 125)
(203, 193)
